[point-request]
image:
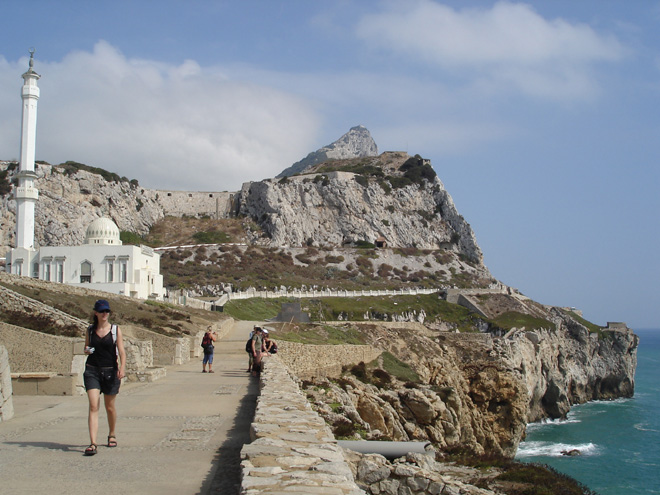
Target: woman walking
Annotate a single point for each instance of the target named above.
(103, 374)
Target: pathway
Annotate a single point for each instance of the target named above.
(179, 435)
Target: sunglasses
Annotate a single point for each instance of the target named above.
(104, 311)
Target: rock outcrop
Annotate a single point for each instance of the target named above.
(67, 204)
(339, 208)
(356, 143)
(477, 392)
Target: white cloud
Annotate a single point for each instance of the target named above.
(509, 43)
(178, 127)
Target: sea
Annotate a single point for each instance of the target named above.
(619, 440)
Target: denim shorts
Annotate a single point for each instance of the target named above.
(104, 379)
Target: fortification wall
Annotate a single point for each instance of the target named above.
(6, 403)
(196, 204)
(316, 361)
(292, 449)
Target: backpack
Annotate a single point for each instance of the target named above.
(207, 343)
(248, 345)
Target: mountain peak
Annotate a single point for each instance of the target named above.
(356, 143)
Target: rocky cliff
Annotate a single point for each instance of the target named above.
(477, 392)
(69, 202)
(356, 143)
(361, 200)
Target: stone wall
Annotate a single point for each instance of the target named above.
(315, 361)
(6, 403)
(195, 204)
(292, 449)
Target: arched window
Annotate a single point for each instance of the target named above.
(85, 272)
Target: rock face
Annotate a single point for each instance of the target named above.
(339, 208)
(478, 392)
(67, 204)
(356, 143)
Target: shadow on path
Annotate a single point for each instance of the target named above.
(225, 475)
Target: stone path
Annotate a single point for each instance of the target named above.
(179, 435)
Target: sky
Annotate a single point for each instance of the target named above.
(541, 118)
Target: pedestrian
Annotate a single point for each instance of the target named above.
(207, 344)
(104, 343)
(248, 349)
(257, 348)
(270, 346)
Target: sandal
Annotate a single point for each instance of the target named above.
(91, 450)
(112, 441)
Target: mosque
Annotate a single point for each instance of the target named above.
(101, 262)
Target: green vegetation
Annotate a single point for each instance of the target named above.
(397, 368)
(256, 309)
(321, 334)
(5, 183)
(537, 479)
(592, 327)
(211, 237)
(71, 167)
(130, 238)
(512, 319)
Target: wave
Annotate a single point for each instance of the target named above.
(642, 427)
(550, 449)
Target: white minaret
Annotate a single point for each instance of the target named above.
(26, 194)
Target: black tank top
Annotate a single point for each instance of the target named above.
(105, 353)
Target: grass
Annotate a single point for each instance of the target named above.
(592, 327)
(256, 309)
(370, 308)
(321, 334)
(513, 319)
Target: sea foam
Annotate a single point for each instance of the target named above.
(550, 449)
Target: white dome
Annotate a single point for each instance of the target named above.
(102, 231)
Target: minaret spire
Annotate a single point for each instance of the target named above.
(26, 194)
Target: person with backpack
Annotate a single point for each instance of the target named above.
(104, 343)
(207, 344)
(256, 348)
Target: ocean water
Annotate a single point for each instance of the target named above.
(619, 440)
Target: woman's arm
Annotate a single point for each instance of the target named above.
(122, 354)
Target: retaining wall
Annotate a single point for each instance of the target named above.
(6, 403)
(315, 361)
(292, 449)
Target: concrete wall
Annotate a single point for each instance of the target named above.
(315, 361)
(6, 403)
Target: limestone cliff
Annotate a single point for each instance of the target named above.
(68, 203)
(477, 392)
(333, 207)
(356, 143)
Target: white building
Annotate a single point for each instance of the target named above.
(102, 262)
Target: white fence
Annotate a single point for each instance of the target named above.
(299, 294)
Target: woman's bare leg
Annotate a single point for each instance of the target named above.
(112, 413)
(94, 397)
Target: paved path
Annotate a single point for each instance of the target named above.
(179, 435)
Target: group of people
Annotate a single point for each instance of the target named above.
(259, 346)
(106, 366)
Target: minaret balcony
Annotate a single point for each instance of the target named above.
(26, 192)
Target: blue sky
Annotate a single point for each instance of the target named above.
(541, 118)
